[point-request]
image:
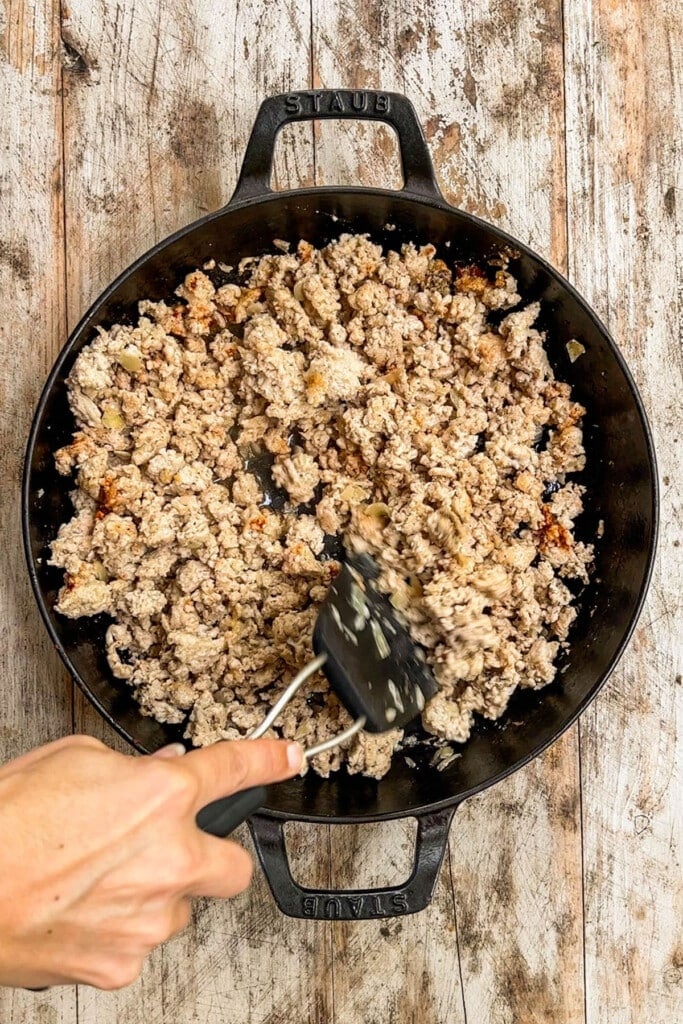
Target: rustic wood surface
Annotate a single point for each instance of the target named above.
(560, 901)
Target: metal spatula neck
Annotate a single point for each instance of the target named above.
(299, 679)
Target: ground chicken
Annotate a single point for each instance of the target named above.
(298, 474)
(373, 389)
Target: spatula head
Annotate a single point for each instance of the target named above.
(372, 664)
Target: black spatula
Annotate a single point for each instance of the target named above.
(372, 664)
(378, 673)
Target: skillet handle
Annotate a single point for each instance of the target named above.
(410, 897)
(360, 104)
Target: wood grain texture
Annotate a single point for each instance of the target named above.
(563, 126)
(31, 329)
(36, 695)
(516, 850)
(486, 79)
(625, 185)
(158, 107)
(403, 970)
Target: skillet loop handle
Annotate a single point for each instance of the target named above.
(410, 897)
(360, 104)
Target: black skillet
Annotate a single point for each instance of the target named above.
(620, 475)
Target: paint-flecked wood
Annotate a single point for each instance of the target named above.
(516, 850)
(157, 105)
(36, 694)
(158, 110)
(405, 970)
(497, 141)
(625, 126)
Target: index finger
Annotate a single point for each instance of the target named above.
(232, 765)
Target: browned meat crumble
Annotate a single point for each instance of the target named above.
(382, 398)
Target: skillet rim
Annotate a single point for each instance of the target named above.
(89, 319)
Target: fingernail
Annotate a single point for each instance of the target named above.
(170, 750)
(295, 756)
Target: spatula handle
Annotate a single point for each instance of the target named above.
(221, 817)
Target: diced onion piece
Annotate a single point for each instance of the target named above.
(130, 360)
(353, 493)
(378, 510)
(113, 419)
(383, 648)
(574, 350)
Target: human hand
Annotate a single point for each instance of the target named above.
(101, 854)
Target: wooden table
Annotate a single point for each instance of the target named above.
(560, 900)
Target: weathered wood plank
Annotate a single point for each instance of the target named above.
(406, 969)
(158, 108)
(624, 91)
(403, 969)
(486, 79)
(490, 124)
(160, 100)
(516, 850)
(36, 701)
(515, 857)
(36, 695)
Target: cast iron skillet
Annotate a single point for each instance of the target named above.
(621, 479)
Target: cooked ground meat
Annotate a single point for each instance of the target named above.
(375, 391)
